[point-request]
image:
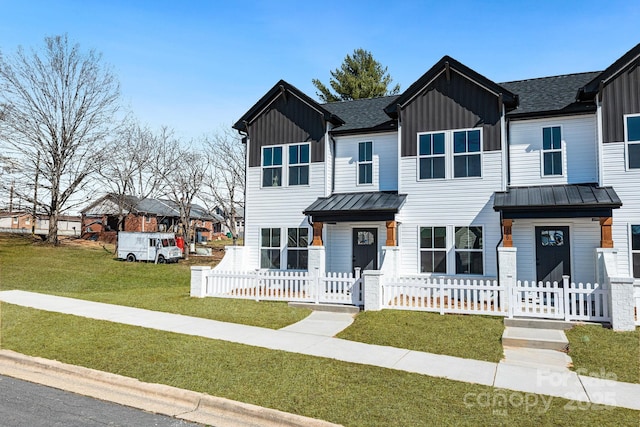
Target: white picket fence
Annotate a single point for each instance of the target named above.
(280, 285)
(636, 297)
(445, 295)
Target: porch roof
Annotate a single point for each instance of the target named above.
(370, 206)
(557, 201)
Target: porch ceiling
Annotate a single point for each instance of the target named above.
(370, 206)
(557, 201)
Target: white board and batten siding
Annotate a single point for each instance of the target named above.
(449, 202)
(385, 163)
(584, 235)
(580, 151)
(278, 207)
(627, 186)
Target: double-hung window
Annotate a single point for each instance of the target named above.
(431, 155)
(551, 151)
(433, 250)
(632, 138)
(299, 164)
(467, 148)
(365, 162)
(272, 166)
(270, 248)
(297, 252)
(468, 249)
(635, 250)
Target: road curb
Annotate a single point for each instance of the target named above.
(158, 398)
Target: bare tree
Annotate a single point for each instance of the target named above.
(225, 184)
(131, 164)
(58, 107)
(183, 171)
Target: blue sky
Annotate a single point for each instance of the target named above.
(197, 66)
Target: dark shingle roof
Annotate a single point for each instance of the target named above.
(363, 114)
(544, 197)
(550, 94)
(349, 206)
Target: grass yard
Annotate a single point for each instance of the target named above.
(604, 353)
(88, 270)
(472, 337)
(350, 394)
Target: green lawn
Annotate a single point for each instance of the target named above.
(604, 353)
(350, 394)
(472, 337)
(89, 271)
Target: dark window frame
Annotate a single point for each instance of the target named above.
(466, 153)
(365, 163)
(429, 158)
(272, 166)
(297, 248)
(430, 249)
(552, 152)
(632, 140)
(299, 163)
(270, 244)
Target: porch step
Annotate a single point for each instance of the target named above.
(334, 308)
(538, 323)
(547, 339)
(537, 358)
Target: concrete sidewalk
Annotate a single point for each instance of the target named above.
(295, 338)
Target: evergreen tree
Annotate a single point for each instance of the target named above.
(359, 76)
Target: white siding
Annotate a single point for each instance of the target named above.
(584, 235)
(339, 244)
(385, 163)
(451, 202)
(626, 183)
(579, 144)
(278, 207)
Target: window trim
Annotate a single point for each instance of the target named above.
(364, 162)
(432, 156)
(561, 150)
(481, 250)
(632, 251)
(627, 142)
(297, 248)
(301, 164)
(263, 167)
(262, 247)
(432, 249)
(449, 173)
(466, 153)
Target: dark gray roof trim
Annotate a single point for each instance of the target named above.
(371, 206)
(568, 200)
(589, 90)
(281, 89)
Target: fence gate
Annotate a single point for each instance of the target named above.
(537, 299)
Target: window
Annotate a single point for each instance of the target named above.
(431, 155)
(147, 219)
(15, 219)
(551, 151)
(297, 252)
(270, 248)
(635, 250)
(468, 249)
(299, 164)
(433, 250)
(272, 166)
(365, 162)
(466, 153)
(632, 135)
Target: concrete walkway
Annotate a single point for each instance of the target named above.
(315, 342)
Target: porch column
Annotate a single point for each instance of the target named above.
(317, 234)
(391, 233)
(606, 238)
(507, 240)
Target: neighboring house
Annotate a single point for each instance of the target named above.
(100, 219)
(22, 222)
(239, 220)
(448, 171)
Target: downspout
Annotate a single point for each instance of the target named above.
(497, 249)
(333, 164)
(599, 140)
(246, 173)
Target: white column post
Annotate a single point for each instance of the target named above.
(199, 281)
(622, 304)
(316, 260)
(372, 280)
(390, 261)
(507, 266)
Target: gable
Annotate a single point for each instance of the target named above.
(620, 96)
(451, 102)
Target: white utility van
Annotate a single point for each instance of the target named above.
(140, 246)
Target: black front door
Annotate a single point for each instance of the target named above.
(365, 248)
(553, 253)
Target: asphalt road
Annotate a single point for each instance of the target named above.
(26, 404)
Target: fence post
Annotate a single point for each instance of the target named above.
(622, 302)
(441, 290)
(507, 277)
(316, 277)
(256, 284)
(566, 303)
(199, 281)
(372, 282)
